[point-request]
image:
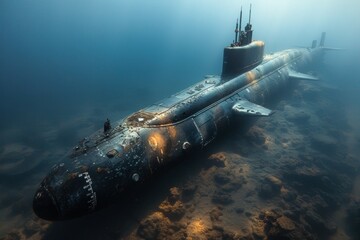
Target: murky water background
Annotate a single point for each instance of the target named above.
(65, 66)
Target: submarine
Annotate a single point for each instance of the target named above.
(126, 154)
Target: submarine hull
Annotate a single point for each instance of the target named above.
(102, 167)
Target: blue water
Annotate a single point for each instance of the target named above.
(65, 66)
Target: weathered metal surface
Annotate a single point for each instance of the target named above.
(105, 165)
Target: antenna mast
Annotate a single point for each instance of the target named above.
(250, 14)
(240, 36)
(240, 17)
(236, 31)
(248, 30)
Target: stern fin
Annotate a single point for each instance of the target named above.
(332, 49)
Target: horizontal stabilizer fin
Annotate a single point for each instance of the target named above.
(244, 107)
(332, 49)
(301, 76)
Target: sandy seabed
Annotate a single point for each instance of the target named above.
(294, 175)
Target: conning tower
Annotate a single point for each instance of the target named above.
(243, 54)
